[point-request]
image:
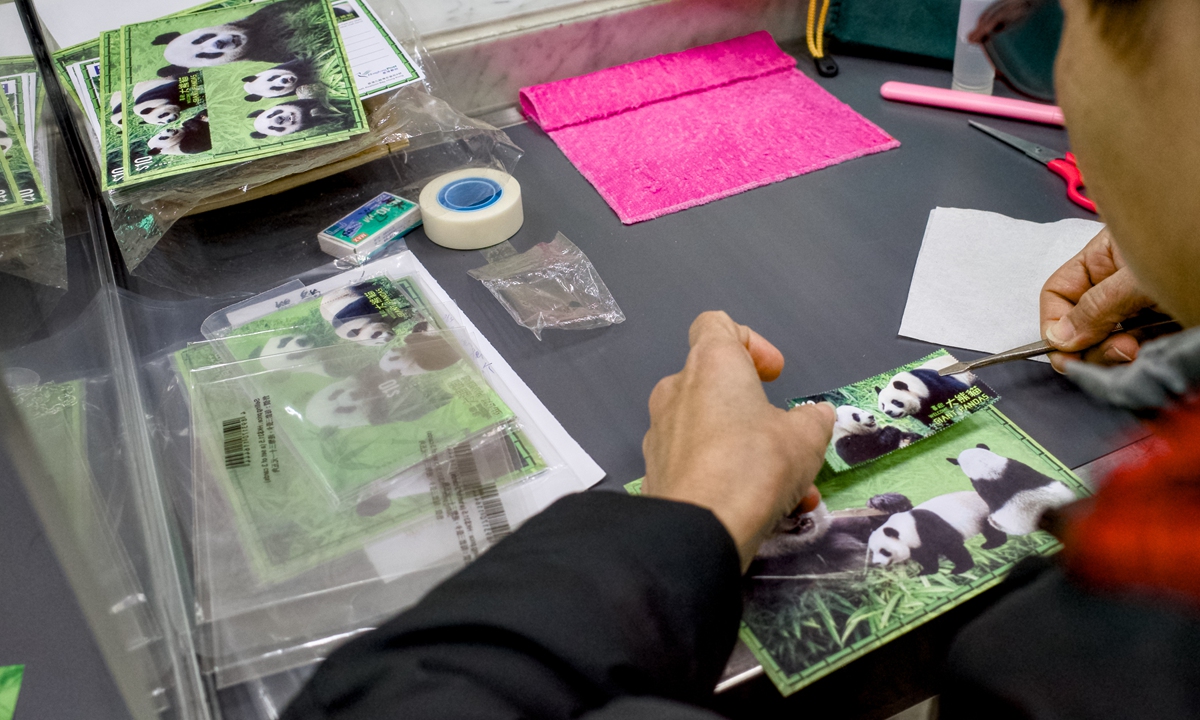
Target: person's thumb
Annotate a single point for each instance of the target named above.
(810, 427)
(1116, 298)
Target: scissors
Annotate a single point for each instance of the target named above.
(1059, 164)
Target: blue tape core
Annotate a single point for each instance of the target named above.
(469, 194)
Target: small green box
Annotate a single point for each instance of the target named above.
(370, 227)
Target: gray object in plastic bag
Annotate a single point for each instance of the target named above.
(551, 285)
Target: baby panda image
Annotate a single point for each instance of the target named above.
(279, 81)
(354, 318)
(289, 117)
(188, 139)
(157, 101)
(262, 37)
(422, 351)
(6, 142)
(857, 437)
(916, 391)
(817, 543)
(374, 397)
(1016, 494)
(936, 528)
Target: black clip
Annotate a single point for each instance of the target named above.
(826, 67)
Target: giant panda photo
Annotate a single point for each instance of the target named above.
(264, 36)
(189, 138)
(914, 393)
(1016, 495)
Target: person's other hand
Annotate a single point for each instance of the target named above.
(1083, 301)
(717, 442)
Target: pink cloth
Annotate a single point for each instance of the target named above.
(675, 131)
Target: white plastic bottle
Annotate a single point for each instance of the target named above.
(972, 70)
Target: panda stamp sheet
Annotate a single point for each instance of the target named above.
(17, 165)
(898, 408)
(184, 87)
(357, 396)
(933, 526)
(363, 381)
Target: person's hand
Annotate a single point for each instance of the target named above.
(1083, 301)
(717, 442)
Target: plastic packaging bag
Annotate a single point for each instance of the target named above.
(281, 575)
(551, 285)
(401, 122)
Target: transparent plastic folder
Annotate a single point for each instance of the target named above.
(286, 570)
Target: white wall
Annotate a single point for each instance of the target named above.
(75, 21)
(432, 16)
(12, 35)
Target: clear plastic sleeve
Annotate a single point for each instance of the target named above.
(551, 285)
(32, 244)
(281, 575)
(423, 135)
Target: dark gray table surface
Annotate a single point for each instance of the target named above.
(818, 264)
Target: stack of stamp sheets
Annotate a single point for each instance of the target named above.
(228, 82)
(22, 162)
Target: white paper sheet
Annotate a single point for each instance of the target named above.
(978, 277)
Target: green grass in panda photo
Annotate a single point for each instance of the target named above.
(303, 30)
(801, 634)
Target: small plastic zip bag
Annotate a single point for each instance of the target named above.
(551, 285)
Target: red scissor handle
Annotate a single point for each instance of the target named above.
(1067, 170)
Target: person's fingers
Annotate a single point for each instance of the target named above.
(717, 326)
(1116, 349)
(809, 430)
(811, 500)
(1060, 293)
(768, 361)
(662, 394)
(1059, 360)
(1116, 298)
(714, 324)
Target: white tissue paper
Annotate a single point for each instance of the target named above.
(978, 277)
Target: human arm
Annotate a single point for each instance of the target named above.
(605, 603)
(1082, 302)
(717, 442)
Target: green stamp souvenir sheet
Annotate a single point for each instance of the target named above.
(193, 95)
(803, 619)
(898, 408)
(19, 168)
(84, 52)
(112, 133)
(897, 542)
(10, 687)
(330, 398)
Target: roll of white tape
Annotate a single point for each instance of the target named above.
(472, 209)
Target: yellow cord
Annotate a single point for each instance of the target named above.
(816, 40)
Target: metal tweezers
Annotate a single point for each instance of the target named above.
(1041, 347)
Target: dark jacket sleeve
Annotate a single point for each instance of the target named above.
(602, 598)
(1053, 649)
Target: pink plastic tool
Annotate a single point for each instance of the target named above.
(972, 102)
